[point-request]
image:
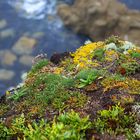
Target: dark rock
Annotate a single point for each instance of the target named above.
(56, 58)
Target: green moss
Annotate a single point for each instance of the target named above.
(48, 86)
(130, 67)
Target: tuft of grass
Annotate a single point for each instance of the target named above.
(18, 94)
(50, 89)
(38, 66)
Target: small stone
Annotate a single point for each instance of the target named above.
(6, 74)
(3, 23)
(7, 33)
(24, 45)
(26, 60)
(7, 57)
(38, 35)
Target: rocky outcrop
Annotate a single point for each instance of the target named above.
(101, 18)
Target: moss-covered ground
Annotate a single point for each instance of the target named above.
(91, 94)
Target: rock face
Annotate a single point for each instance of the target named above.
(101, 18)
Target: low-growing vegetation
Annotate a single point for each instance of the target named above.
(92, 94)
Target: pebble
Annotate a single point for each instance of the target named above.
(6, 74)
(3, 24)
(7, 57)
(7, 33)
(24, 45)
(26, 60)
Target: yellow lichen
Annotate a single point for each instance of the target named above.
(134, 85)
(83, 56)
(111, 55)
(58, 70)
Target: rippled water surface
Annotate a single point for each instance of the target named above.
(36, 19)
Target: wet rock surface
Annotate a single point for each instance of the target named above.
(99, 19)
(3, 23)
(26, 60)
(24, 45)
(6, 74)
(7, 57)
(6, 33)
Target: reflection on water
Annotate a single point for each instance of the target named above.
(36, 9)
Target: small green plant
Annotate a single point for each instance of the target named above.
(18, 94)
(38, 66)
(67, 126)
(115, 120)
(87, 76)
(114, 39)
(99, 54)
(135, 54)
(130, 67)
(4, 132)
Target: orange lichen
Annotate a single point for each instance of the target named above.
(120, 85)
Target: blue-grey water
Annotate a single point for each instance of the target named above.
(39, 18)
(133, 4)
(29, 17)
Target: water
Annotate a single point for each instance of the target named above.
(30, 17)
(133, 4)
(37, 19)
